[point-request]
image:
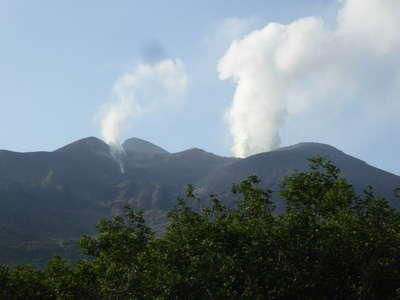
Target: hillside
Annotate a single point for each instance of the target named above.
(51, 198)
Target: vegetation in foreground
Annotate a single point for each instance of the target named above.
(329, 244)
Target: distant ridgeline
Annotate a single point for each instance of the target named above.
(50, 199)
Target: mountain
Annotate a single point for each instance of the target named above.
(49, 199)
(271, 166)
(136, 145)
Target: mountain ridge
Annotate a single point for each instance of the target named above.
(47, 196)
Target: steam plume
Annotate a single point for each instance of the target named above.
(146, 89)
(288, 70)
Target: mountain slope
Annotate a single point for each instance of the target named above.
(50, 196)
(270, 167)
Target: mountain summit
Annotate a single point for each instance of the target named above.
(141, 146)
(89, 144)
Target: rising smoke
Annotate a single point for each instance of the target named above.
(286, 70)
(153, 52)
(144, 90)
(147, 89)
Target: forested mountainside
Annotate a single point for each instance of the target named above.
(50, 199)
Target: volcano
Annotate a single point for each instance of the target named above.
(48, 197)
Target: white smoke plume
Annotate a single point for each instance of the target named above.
(144, 90)
(287, 70)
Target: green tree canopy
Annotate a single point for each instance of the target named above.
(329, 244)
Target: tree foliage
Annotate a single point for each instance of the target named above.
(329, 244)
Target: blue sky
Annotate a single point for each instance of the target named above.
(59, 61)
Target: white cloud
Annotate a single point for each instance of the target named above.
(145, 90)
(307, 68)
(234, 27)
(229, 29)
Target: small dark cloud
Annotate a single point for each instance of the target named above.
(152, 52)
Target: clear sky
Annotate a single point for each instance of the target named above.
(60, 60)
